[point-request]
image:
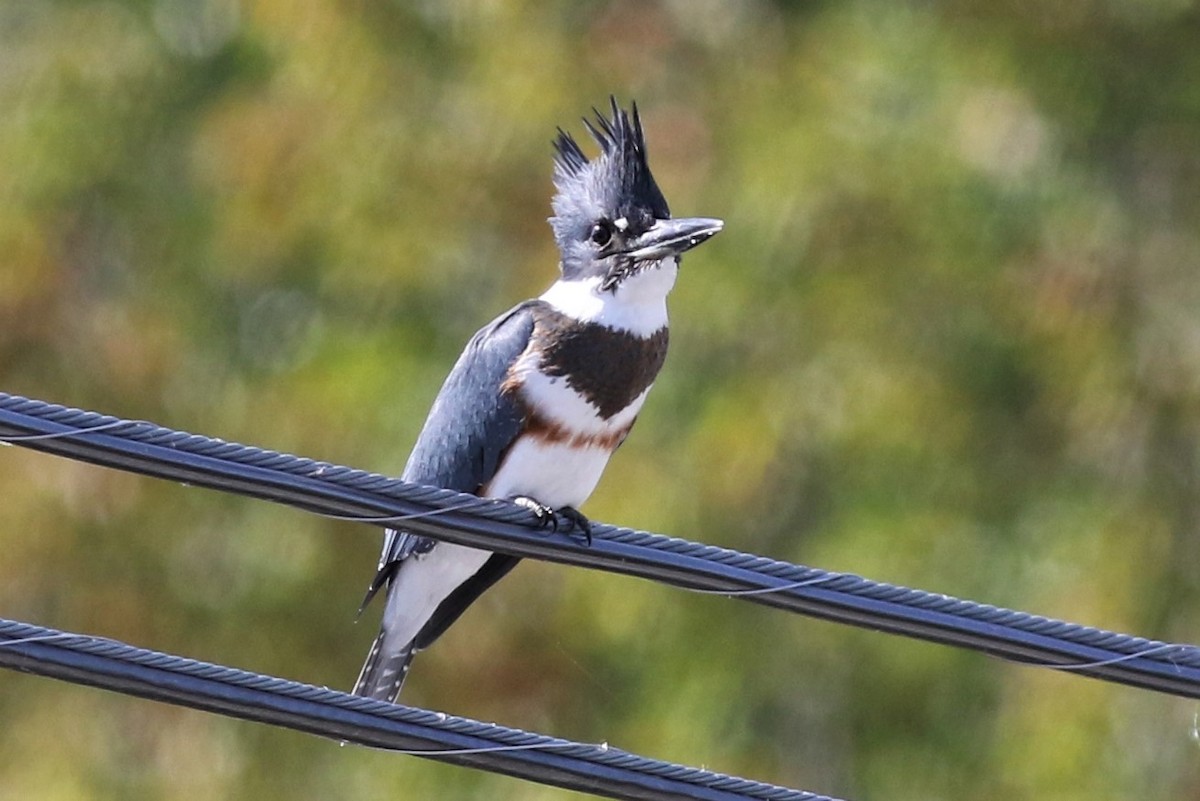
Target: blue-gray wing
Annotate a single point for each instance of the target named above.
(472, 423)
(469, 428)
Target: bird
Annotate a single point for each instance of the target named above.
(541, 396)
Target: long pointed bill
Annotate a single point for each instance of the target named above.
(672, 237)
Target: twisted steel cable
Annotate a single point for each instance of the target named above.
(593, 768)
(498, 525)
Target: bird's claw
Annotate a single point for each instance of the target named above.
(579, 523)
(568, 519)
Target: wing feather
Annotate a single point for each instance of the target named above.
(468, 430)
(471, 425)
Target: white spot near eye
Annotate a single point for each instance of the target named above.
(621, 224)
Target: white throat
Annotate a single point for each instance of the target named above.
(639, 304)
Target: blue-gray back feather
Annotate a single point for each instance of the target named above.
(468, 430)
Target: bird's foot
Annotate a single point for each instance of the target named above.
(544, 514)
(579, 524)
(568, 519)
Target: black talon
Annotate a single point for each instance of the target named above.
(578, 521)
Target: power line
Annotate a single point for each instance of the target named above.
(498, 525)
(347, 493)
(592, 768)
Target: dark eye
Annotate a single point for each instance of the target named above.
(601, 233)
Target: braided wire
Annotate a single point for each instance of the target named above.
(499, 525)
(350, 718)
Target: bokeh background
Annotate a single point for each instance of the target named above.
(950, 338)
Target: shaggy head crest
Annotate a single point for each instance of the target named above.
(616, 184)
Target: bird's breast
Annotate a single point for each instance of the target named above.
(608, 368)
(580, 387)
(564, 443)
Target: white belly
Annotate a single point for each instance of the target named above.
(556, 470)
(555, 474)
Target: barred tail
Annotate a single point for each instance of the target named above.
(383, 673)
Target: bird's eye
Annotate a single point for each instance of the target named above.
(601, 233)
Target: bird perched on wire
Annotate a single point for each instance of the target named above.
(543, 395)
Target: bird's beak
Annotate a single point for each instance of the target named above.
(672, 237)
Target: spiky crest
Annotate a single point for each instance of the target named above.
(615, 184)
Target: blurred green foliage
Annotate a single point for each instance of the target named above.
(950, 338)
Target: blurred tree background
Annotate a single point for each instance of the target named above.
(950, 338)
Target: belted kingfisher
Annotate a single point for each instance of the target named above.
(543, 395)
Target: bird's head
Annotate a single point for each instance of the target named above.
(611, 221)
